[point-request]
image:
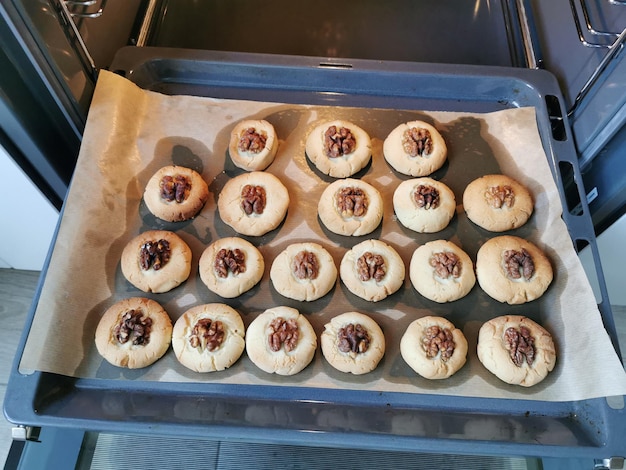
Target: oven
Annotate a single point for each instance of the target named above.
(563, 58)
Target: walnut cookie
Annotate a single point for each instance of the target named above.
(175, 193)
(156, 261)
(350, 207)
(134, 333)
(516, 349)
(231, 266)
(338, 148)
(415, 148)
(353, 343)
(253, 145)
(513, 270)
(441, 271)
(281, 341)
(209, 337)
(253, 203)
(433, 347)
(424, 205)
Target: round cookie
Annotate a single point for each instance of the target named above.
(134, 333)
(415, 148)
(231, 266)
(424, 205)
(338, 148)
(209, 337)
(281, 341)
(175, 193)
(253, 203)
(350, 207)
(372, 270)
(516, 349)
(303, 271)
(441, 271)
(353, 342)
(156, 261)
(433, 347)
(513, 270)
(253, 145)
(497, 203)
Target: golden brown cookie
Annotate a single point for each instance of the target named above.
(281, 341)
(338, 148)
(353, 342)
(516, 349)
(209, 337)
(434, 347)
(513, 270)
(134, 333)
(441, 271)
(424, 205)
(175, 193)
(231, 266)
(156, 261)
(497, 203)
(350, 207)
(253, 145)
(372, 270)
(415, 148)
(303, 271)
(253, 203)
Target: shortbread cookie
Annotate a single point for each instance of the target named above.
(516, 349)
(338, 148)
(281, 341)
(303, 271)
(253, 203)
(231, 266)
(415, 148)
(134, 333)
(424, 205)
(513, 270)
(372, 270)
(209, 337)
(353, 342)
(434, 347)
(441, 271)
(253, 145)
(350, 207)
(156, 261)
(497, 203)
(175, 193)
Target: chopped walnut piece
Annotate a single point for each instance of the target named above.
(518, 264)
(253, 199)
(252, 141)
(306, 265)
(426, 197)
(283, 333)
(521, 345)
(498, 196)
(154, 254)
(338, 142)
(207, 334)
(353, 338)
(132, 327)
(438, 340)
(229, 260)
(446, 264)
(352, 202)
(417, 141)
(371, 266)
(175, 188)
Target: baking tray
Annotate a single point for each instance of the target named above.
(357, 419)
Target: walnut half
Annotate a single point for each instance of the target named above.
(253, 199)
(154, 254)
(417, 142)
(351, 202)
(229, 260)
(518, 264)
(338, 142)
(353, 338)
(283, 333)
(438, 340)
(252, 141)
(498, 196)
(175, 188)
(446, 264)
(521, 345)
(207, 334)
(133, 327)
(426, 197)
(305, 265)
(371, 266)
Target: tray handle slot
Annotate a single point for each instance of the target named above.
(555, 115)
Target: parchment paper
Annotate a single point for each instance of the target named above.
(131, 133)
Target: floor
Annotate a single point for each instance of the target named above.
(17, 288)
